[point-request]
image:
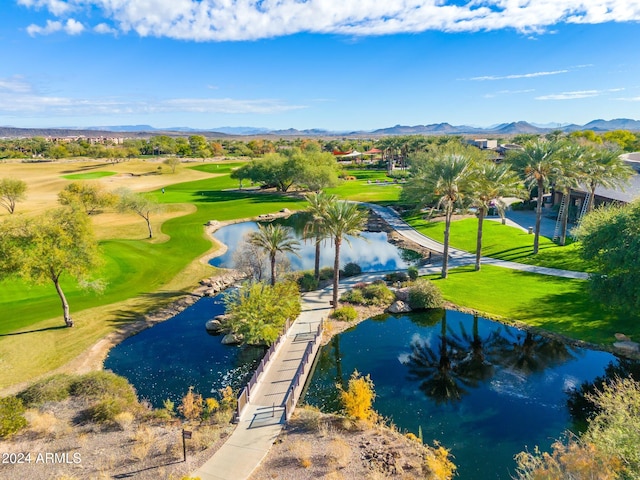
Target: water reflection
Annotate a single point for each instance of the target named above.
(164, 361)
(483, 389)
(371, 251)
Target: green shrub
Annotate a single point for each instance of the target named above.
(107, 409)
(11, 416)
(326, 273)
(101, 384)
(353, 296)
(50, 389)
(345, 314)
(413, 272)
(308, 282)
(424, 294)
(378, 294)
(351, 269)
(396, 277)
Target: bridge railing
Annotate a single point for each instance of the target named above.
(243, 399)
(293, 394)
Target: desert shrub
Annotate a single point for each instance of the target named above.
(357, 400)
(124, 420)
(192, 405)
(396, 277)
(339, 452)
(205, 437)
(413, 272)
(351, 269)
(424, 294)
(144, 441)
(377, 294)
(50, 389)
(345, 314)
(301, 451)
(353, 296)
(101, 384)
(307, 282)
(45, 423)
(107, 409)
(439, 463)
(326, 273)
(228, 399)
(11, 416)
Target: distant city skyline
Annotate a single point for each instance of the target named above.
(339, 66)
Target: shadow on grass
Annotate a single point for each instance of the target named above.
(84, 168)
(212, 196)
(149, 304)
(33, 331)
(576, 315)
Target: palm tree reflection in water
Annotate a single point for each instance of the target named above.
(460, 361)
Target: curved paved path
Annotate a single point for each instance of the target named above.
(460, 257)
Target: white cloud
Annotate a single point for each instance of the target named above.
(71, 27)
(15, 84)
(103, 28)
(520, 75)
(578, 94)
(206, 20)
(508, 92)
(16, 96)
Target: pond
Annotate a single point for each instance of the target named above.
(165, 360)
(371, 250)
(484, 390)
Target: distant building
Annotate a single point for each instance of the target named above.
(485, 144)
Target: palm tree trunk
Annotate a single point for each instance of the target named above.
(336, 271)
(565, 219)
(536, 238)
(479, 238)
(273, 269)
(65, 306)
(592, 198)
(445, 258)
(316, 266)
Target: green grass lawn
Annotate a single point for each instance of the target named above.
(88, 175)
(361, 191)
(559, 305)
(503, 242)
(133, 267)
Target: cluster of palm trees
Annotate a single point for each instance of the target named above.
(457, 177)
(331, 219)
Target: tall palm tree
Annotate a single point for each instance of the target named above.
(568, 173)
(341, 218)
(604, 168)
(537, 161)
(490, 182)
(447, 182)
(273, 239)
(316, 227)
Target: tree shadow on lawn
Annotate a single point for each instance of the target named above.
(575, 315)
(58, 327)
(153, 306)
(84, 168)
(517, 252)
(212, 196)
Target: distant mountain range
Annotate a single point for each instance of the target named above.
(503, 129)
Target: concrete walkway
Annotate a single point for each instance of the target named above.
(264, 417)
(458, 257)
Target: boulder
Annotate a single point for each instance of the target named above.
(621, 337)
(399, 307)
(285, 210)
(214, 326)
(232, 339)
(402, 294)
(628, 346)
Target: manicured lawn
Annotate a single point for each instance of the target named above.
(362, 191)
(503, 242)
(88, 175)
(134, 267)
(555, 304)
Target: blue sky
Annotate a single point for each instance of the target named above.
(331, 64)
